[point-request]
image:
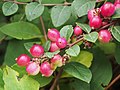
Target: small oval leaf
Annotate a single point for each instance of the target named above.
(66, 32)
(116, 32)
(73, 51)
(92, 37)
(60, 14)
(9, 8)
(33, 10)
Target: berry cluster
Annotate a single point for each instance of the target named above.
(100, 17)
(40, 63)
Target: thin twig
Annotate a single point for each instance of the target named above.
(56, 79)
(58, 87)
(113, 81)
(81, 39)
(43, 26)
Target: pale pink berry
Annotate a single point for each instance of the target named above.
(45, 69)
(117, 6)
(57, 60)
(37, 50)
(23, 60)
(107, 9)
(93, 12)
(77, 31)
(53, 47)
(61, 42)
(33, 68)
(53, 34)
(104, 36)
(95, 22)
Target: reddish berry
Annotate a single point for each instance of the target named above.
(57, 60)
(53, 34)
(77, 31)
(36, 50)
(107, 9)
(116, 2)
(53, 47)
(94, 12)
(23, 60)
(95, 22)
(45, 69)
(33, 68)
(104, 36)
(61, 42)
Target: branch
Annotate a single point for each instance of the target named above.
(43, 26)
(113, 81)
(81, 39)
(112, 23)
(56, 79)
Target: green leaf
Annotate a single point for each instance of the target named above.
(101, 70)
(78, 71)
(47, 46)
(12, 82)
(84, 58)
(33, 10)
(117, 54)
(84, 27)
(43, 81)
(52, 2)
(51, 54)
(9, 8)
(21, 30)
(1, 80)
(60, 14)
(73, 51)
(2, 36)
(28, 45)
(116, 32)
(24, 0)
(66, 32)
(117, 14)
(91, 37)
(14, 49)
(82, 6)
(21, 70)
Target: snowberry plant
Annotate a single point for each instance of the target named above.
(59, 44)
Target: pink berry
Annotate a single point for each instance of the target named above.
(117, 6)
(93, 12)
(53, 47)
(107, 9)
(53, 34)
(116, 2)
(36, 50)
(23, 60)
(95, 22)
(104, 36)
(33, 68)
(45, 69)
(61, 42)
(57, 60)
(77, 31)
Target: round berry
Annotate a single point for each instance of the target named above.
(104, 36)
(57, 60)
(36, 50)
(95, 22)
(23, 60)
(117, 6)
(53, 47)
(33, 68)
(93, 12)
(116, 2)
(107, 9)
(61, 42)
(77, 31)
(45, 69)
(53, 34)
